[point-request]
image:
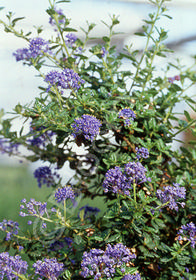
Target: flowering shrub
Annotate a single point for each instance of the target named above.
(123, 122)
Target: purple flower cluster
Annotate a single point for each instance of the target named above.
(69, 241)
(64, 193)
(10, 266)
(34, 208)
(100, 264)
(170, 194)
(189, 231)
(136, 172)
(61, 17)
(49, 268)
(22, 54)
(116, 181)
(8, 147)
(141, 153)
(127, 114)
(88, 126)
(70, 39)
(10, 227)
(36, 47)
(67, 79)
(132, 277)
(103, 52)
(40, 140)
(88, 211)
(44, 175)
(175, 78)
(119, 181)
(58, 245)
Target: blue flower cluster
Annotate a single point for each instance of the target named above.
(88, 126)
(132, 277)
(61, 17)
(22, 54)
(49, 268)
(10, 227)
(44, 175)
(8, 147)
(70, 39)
(40, 140)
(142, 152)
(127, 114)
(57, 245)
(175, 78)
(100, 264)
(189, 232)
(119, 181)
(67, 79)
(170, 194)
(10, 266)
(136, 172)
(34, 208)
(37, 46)
(116, 181)
(64, 193)
(103, 52)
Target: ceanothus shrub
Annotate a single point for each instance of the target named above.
(114, 128)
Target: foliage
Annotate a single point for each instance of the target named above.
(115, 128)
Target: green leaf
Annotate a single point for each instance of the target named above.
(18, 108)
(50, 12)
(152, 123)
(17, 19)
(167, 16)
(163, 36)
(187, 115)
(28, 33)
(114, 238)
(140, 33)
(98, 238)
(131, 270)
(106, 39)
(160, 54)
(109, 215)
(175, 88)
(67, 274)
(148, 21)
(91, 26)
(115, 20)
(78, 239)
(166, 260)
(1, 114)
(7, 30)
(125, 204)
(81, 215)
(136, 228)
(192, 142)
(63, 1)
(69, 29)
